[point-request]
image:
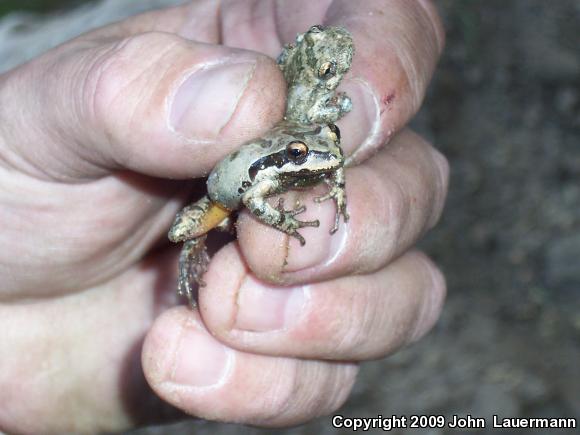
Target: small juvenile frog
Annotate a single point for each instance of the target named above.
(301, 151)
(314, 66)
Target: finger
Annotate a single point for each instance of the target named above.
(154, 103)
(82, 352)
(60, 238)
(392, 200)
(195, 20)
(397, 43)
(190, 369)
(351, 318)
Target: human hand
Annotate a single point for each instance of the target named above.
(91, 133)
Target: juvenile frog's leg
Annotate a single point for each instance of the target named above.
(283, 220)
(331, 110)
(193, 262)
(197, 219)
(337, 192)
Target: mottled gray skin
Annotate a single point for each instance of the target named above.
(301, 151)
(264, 167)
(313, 68)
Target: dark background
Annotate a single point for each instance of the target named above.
(504, 107)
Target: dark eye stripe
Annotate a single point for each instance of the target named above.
(279, 159)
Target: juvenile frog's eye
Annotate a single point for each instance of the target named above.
(296, 150)
(334, 132)
(327, 70)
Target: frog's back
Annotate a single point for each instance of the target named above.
(230, 179)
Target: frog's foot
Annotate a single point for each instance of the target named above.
(342, 102)
(290, 225)
(193, 263)
(330, 110)
(337, 194)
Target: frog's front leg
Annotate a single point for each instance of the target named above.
(283, 220)
(330, 110)
(337, 192)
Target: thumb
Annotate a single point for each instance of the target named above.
(154, 103)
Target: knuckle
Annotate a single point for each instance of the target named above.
(345, 328)
(342, 383)
(443, 168)
(434, 293)
(279, 396)
(438, 283)
(307, 390)
(118, 68)
(397, 210)
(435, 19)
(357, 330)
(442, 186)
(390, 204)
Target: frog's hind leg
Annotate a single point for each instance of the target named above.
(193, 262)
(227, 225)
(197, 219)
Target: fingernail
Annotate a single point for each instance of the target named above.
(206, 100)
(262, 308)
(200, 360)
(360, 127)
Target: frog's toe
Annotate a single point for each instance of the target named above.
(323, 198)
(294, 212)
(298, 236)
(334, 229)
(185, 289)
(302, 224)
(345, 216)
(297, 211)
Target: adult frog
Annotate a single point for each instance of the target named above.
(290, 156)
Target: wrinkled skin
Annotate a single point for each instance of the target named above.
(89, 188)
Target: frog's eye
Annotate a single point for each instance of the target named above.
(327, 70)
(296, 150)
(334, 132)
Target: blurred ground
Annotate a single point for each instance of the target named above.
(505, 109)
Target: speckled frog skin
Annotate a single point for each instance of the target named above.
(301, 151)
(313, 67)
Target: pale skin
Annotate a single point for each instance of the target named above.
(91, 135)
